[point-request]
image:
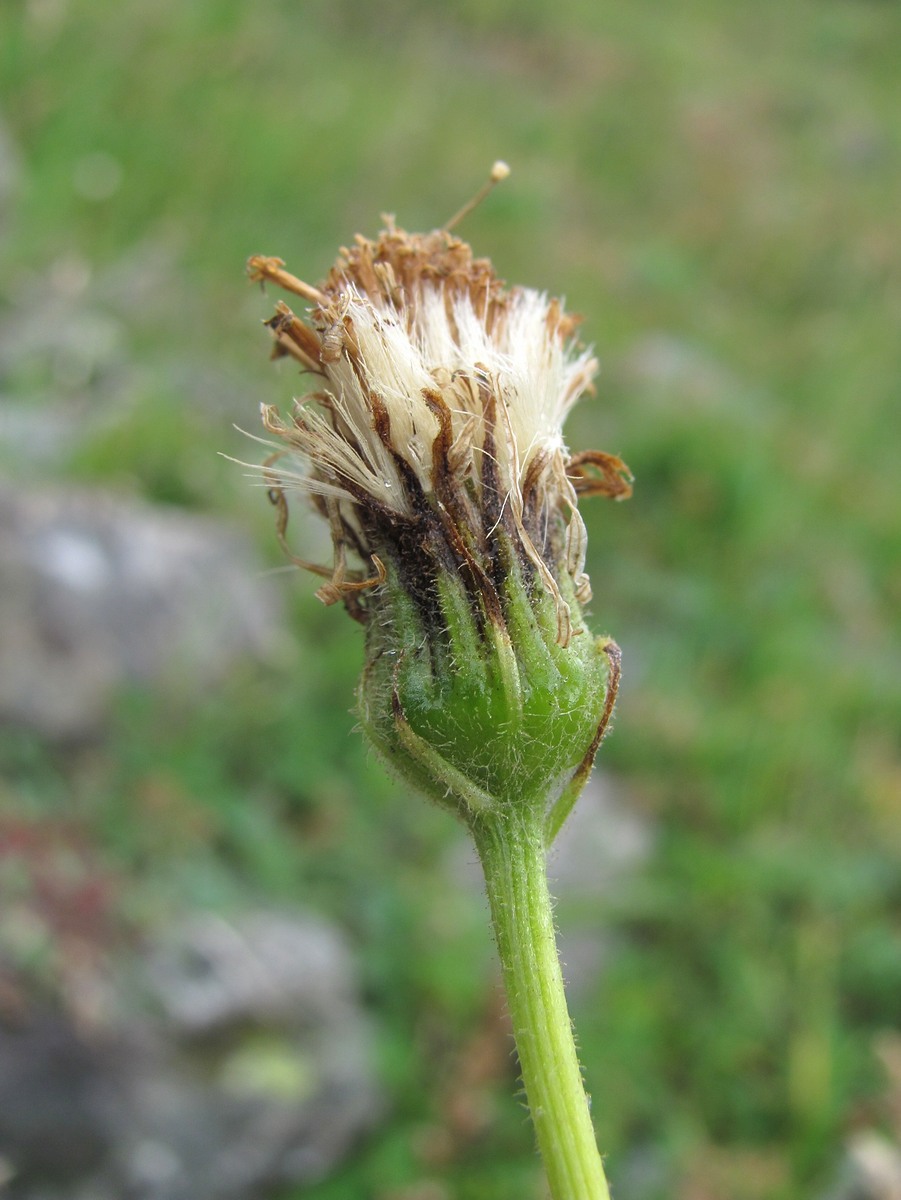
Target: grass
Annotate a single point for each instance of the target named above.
(715, 188)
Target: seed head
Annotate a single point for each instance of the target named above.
(432, 440)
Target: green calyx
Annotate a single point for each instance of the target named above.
(485, 713)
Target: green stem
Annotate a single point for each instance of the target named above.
(512, 851)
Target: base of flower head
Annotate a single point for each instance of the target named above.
(480, 713)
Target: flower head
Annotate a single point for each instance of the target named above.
(436, 424)
(432, 443)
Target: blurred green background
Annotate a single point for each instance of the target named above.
(716, 187)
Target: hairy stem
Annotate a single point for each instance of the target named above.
(512, 850)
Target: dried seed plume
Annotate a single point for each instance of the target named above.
(431, 438)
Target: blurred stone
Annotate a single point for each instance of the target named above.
(70, 372)
(267, 1080)
(10, 174)
(871, 1170)
(664, 360)
(56, 1100)
(604, 839)
(604, 842)
(65, 368)
(240, 1062)
(97, 592)
(214, 972)
(645, 1172)
(65, 345)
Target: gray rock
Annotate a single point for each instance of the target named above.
(239, 1062)
(871, 1169)
(55, 1100)
(71, 369)
(271, 1082)
(59, 336)
(10, 173)
(603, 840)
(214, 972)
(97, 592)
(664, 360)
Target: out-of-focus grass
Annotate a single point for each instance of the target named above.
(716, 187)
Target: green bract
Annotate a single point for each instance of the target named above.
(479, 714)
